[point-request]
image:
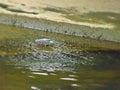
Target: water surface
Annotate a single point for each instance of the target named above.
(73, 63)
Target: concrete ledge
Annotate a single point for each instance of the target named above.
(60, 27)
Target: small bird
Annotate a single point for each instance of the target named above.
(44, 42)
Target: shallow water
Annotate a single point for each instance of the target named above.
(67, 65)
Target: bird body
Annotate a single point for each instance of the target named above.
(44, 41)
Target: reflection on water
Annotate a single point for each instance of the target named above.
(34, 88)
(26, 66)
(40, 73)
(69, 79)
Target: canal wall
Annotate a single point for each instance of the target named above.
(60, 27)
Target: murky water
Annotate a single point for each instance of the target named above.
(73, 63)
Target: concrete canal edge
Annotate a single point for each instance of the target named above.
(60, 27)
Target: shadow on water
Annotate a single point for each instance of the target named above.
(107, 59)
(26, 66)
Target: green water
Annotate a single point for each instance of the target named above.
(73, 63)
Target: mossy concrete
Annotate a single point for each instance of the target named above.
(60, 27)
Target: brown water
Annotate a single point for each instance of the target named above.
(64, 66)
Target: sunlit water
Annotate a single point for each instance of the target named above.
(26, 66)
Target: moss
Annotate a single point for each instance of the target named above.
(61, 10)
(20, 11)
(3, 5)
(14, 9)
(97, 17)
